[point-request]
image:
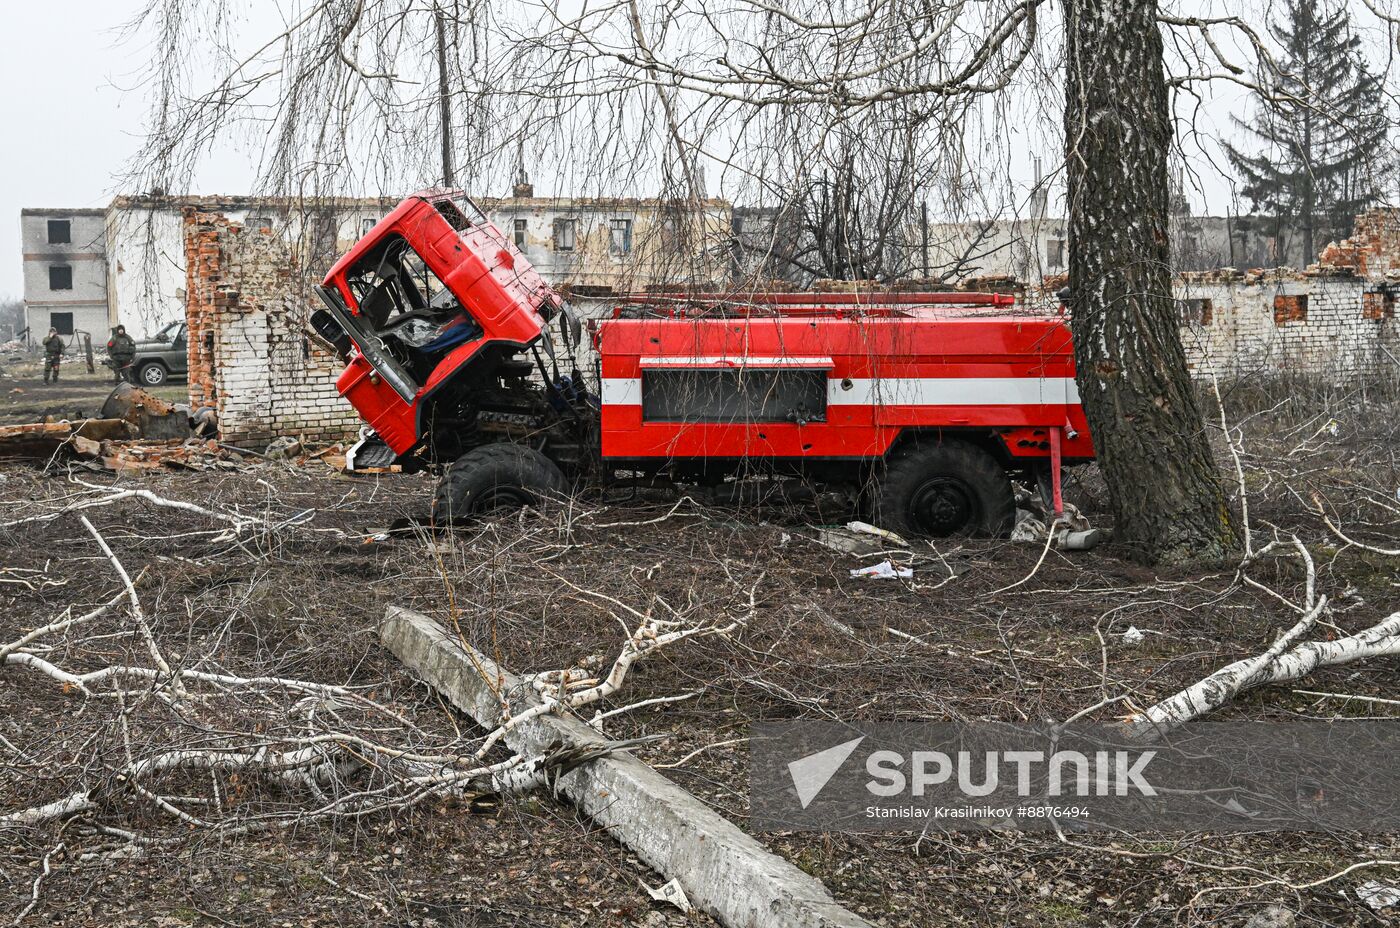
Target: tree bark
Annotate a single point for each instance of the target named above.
(1168, 503)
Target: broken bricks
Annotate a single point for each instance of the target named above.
(43, 439)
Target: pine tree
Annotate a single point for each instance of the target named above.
(1322, 125)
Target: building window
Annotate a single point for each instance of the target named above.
(520, 229)
(619, 236)
(1055, 253)
(564, 234)
(672, 238)
(1290, 308)
(1195, 311)
(63, 322)
(60, 277)
(367, 226)
(1378, 305)
(60, 231)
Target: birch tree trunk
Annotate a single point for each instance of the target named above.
(1168, 503)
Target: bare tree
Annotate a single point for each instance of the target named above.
(841, 117)
(1131, 369)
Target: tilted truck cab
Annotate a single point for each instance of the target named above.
(460, 357)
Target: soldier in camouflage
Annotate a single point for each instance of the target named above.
(53, 355)
(121, 348)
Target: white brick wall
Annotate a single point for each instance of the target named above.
(268, 380)
(1244, 335)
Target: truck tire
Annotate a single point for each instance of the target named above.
(496, 478)
(152, 374)
(944, 489)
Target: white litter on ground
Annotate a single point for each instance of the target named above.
(1378, 895)
(884, 571)
(670, 892)
(865, 528)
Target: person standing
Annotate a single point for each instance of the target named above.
(121, 348)
(53, 355)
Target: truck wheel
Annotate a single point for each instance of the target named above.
(944, 489)
(496, 478)
(153, 374)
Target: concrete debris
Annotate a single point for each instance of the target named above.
(846, 541)
(282, 448)
(117, 446)
(725, 872)
(204, 454)
(136, 457)
(85, 447)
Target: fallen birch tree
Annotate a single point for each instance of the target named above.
(192, 736)
(1277, 665)
(1289, 658)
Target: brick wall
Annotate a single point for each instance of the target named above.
(247, 302)
(1316, 323)
(1373, 250)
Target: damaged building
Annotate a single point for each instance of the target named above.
(241, 272)
(249, 356)
(1334, 320)
(65, 272)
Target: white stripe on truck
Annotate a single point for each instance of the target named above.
(908, 391)
(953, 391)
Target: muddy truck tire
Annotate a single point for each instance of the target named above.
(944, 489)
(496, 478)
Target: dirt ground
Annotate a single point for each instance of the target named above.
(305, 602)
(78, 394)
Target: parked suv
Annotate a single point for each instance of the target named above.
(161, 357)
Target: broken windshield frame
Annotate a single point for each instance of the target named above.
(397, 289)
(371, 346)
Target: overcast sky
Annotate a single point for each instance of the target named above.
(66, 127)
(74, 112)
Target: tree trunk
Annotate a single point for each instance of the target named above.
(449, 176)
(1168, 503)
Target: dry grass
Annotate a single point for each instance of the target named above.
(305, 602)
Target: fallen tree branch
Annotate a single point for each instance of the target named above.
(132, 599)
(44, 870)
(1388, 552)
(1275, 666)
(61, 625)
(113, 497)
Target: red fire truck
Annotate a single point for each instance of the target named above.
(460, 358)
